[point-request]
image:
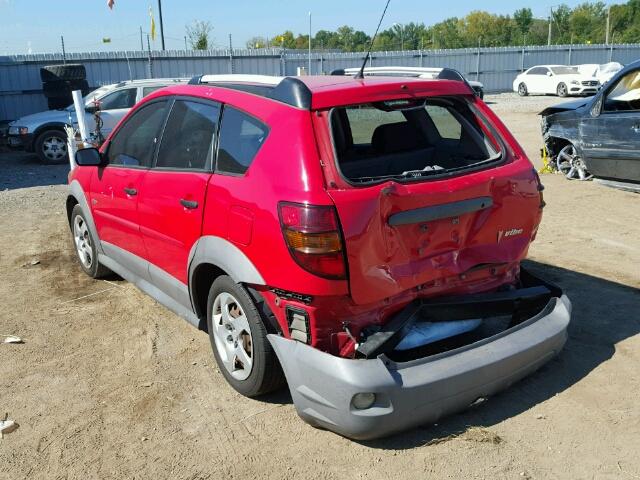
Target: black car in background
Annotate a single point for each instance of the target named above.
(598, 136)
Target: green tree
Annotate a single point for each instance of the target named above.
(524, 19)
(199, 35)
(257, 42)
(284, 40)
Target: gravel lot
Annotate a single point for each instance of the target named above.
(109, 384)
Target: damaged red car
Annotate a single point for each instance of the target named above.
(358, 239)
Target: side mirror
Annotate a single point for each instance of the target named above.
(88, 157)
(596, 109)
(549, 74)
(90, 109)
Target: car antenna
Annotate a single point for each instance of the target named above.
(360, 74)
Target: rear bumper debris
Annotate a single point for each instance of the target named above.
(421, 391)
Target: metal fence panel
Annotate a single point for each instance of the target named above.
(21, 88)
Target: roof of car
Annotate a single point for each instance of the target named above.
(314, 92)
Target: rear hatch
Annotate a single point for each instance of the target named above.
(429, 195)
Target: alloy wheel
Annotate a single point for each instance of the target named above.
(83, 241)
(232, 336)
(54, 148)
(569, 163)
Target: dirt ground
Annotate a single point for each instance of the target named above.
(110, 384)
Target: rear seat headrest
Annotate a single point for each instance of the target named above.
(397, 137)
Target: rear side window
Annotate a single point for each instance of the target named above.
(117, 100)
(189, 137)
(409, 139)
(135, 142)
(241, 137)
(148, 90)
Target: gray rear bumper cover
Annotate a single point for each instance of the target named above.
(421, 391)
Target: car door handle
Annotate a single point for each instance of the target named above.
(191, 204)
(130, 191)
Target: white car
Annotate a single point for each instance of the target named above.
(43, 132)
(560, 80)
(603, 72)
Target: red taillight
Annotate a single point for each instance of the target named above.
(312, 234)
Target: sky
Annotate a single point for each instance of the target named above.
(35, 26)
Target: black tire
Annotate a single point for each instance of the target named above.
(51, 147)
(63, 88)
(522, 90)
(58, 103)
(94, 269)
(71, 71)
(562, 89)
(266, 373)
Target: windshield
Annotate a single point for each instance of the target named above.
(410, 140)
(564, 70)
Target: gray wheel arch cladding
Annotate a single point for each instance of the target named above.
(76, 191)
(225, 255)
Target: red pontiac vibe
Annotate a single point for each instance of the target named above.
(357, 238)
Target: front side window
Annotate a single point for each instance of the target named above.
(134, 143)
(241, 137)
(625, 95)
(189, 137)
(383, 140)
(117, 100)
(538, 71)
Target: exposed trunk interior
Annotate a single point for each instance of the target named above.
(500, 311)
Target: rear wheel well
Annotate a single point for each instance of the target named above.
(71, 202)
(201, 280)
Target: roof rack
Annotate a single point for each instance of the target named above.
(289, 90)
(421, 72)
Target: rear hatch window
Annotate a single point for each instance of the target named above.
(408, 140)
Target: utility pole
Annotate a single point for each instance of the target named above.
(309, 72)
(230, 55)
(185, 43)
(161, 27)
(64, 54)
(549, 36)
(149, 53)
(141, 40)
(606, 35)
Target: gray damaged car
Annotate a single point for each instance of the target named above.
(598, 136)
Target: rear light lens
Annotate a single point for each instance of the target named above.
(313, 237)
(540, 187)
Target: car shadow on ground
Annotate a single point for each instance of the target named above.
(22, 170)
(604, 314)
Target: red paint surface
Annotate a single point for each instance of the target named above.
(388, 266)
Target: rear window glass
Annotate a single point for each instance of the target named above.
(385, 140)
(241, 136)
